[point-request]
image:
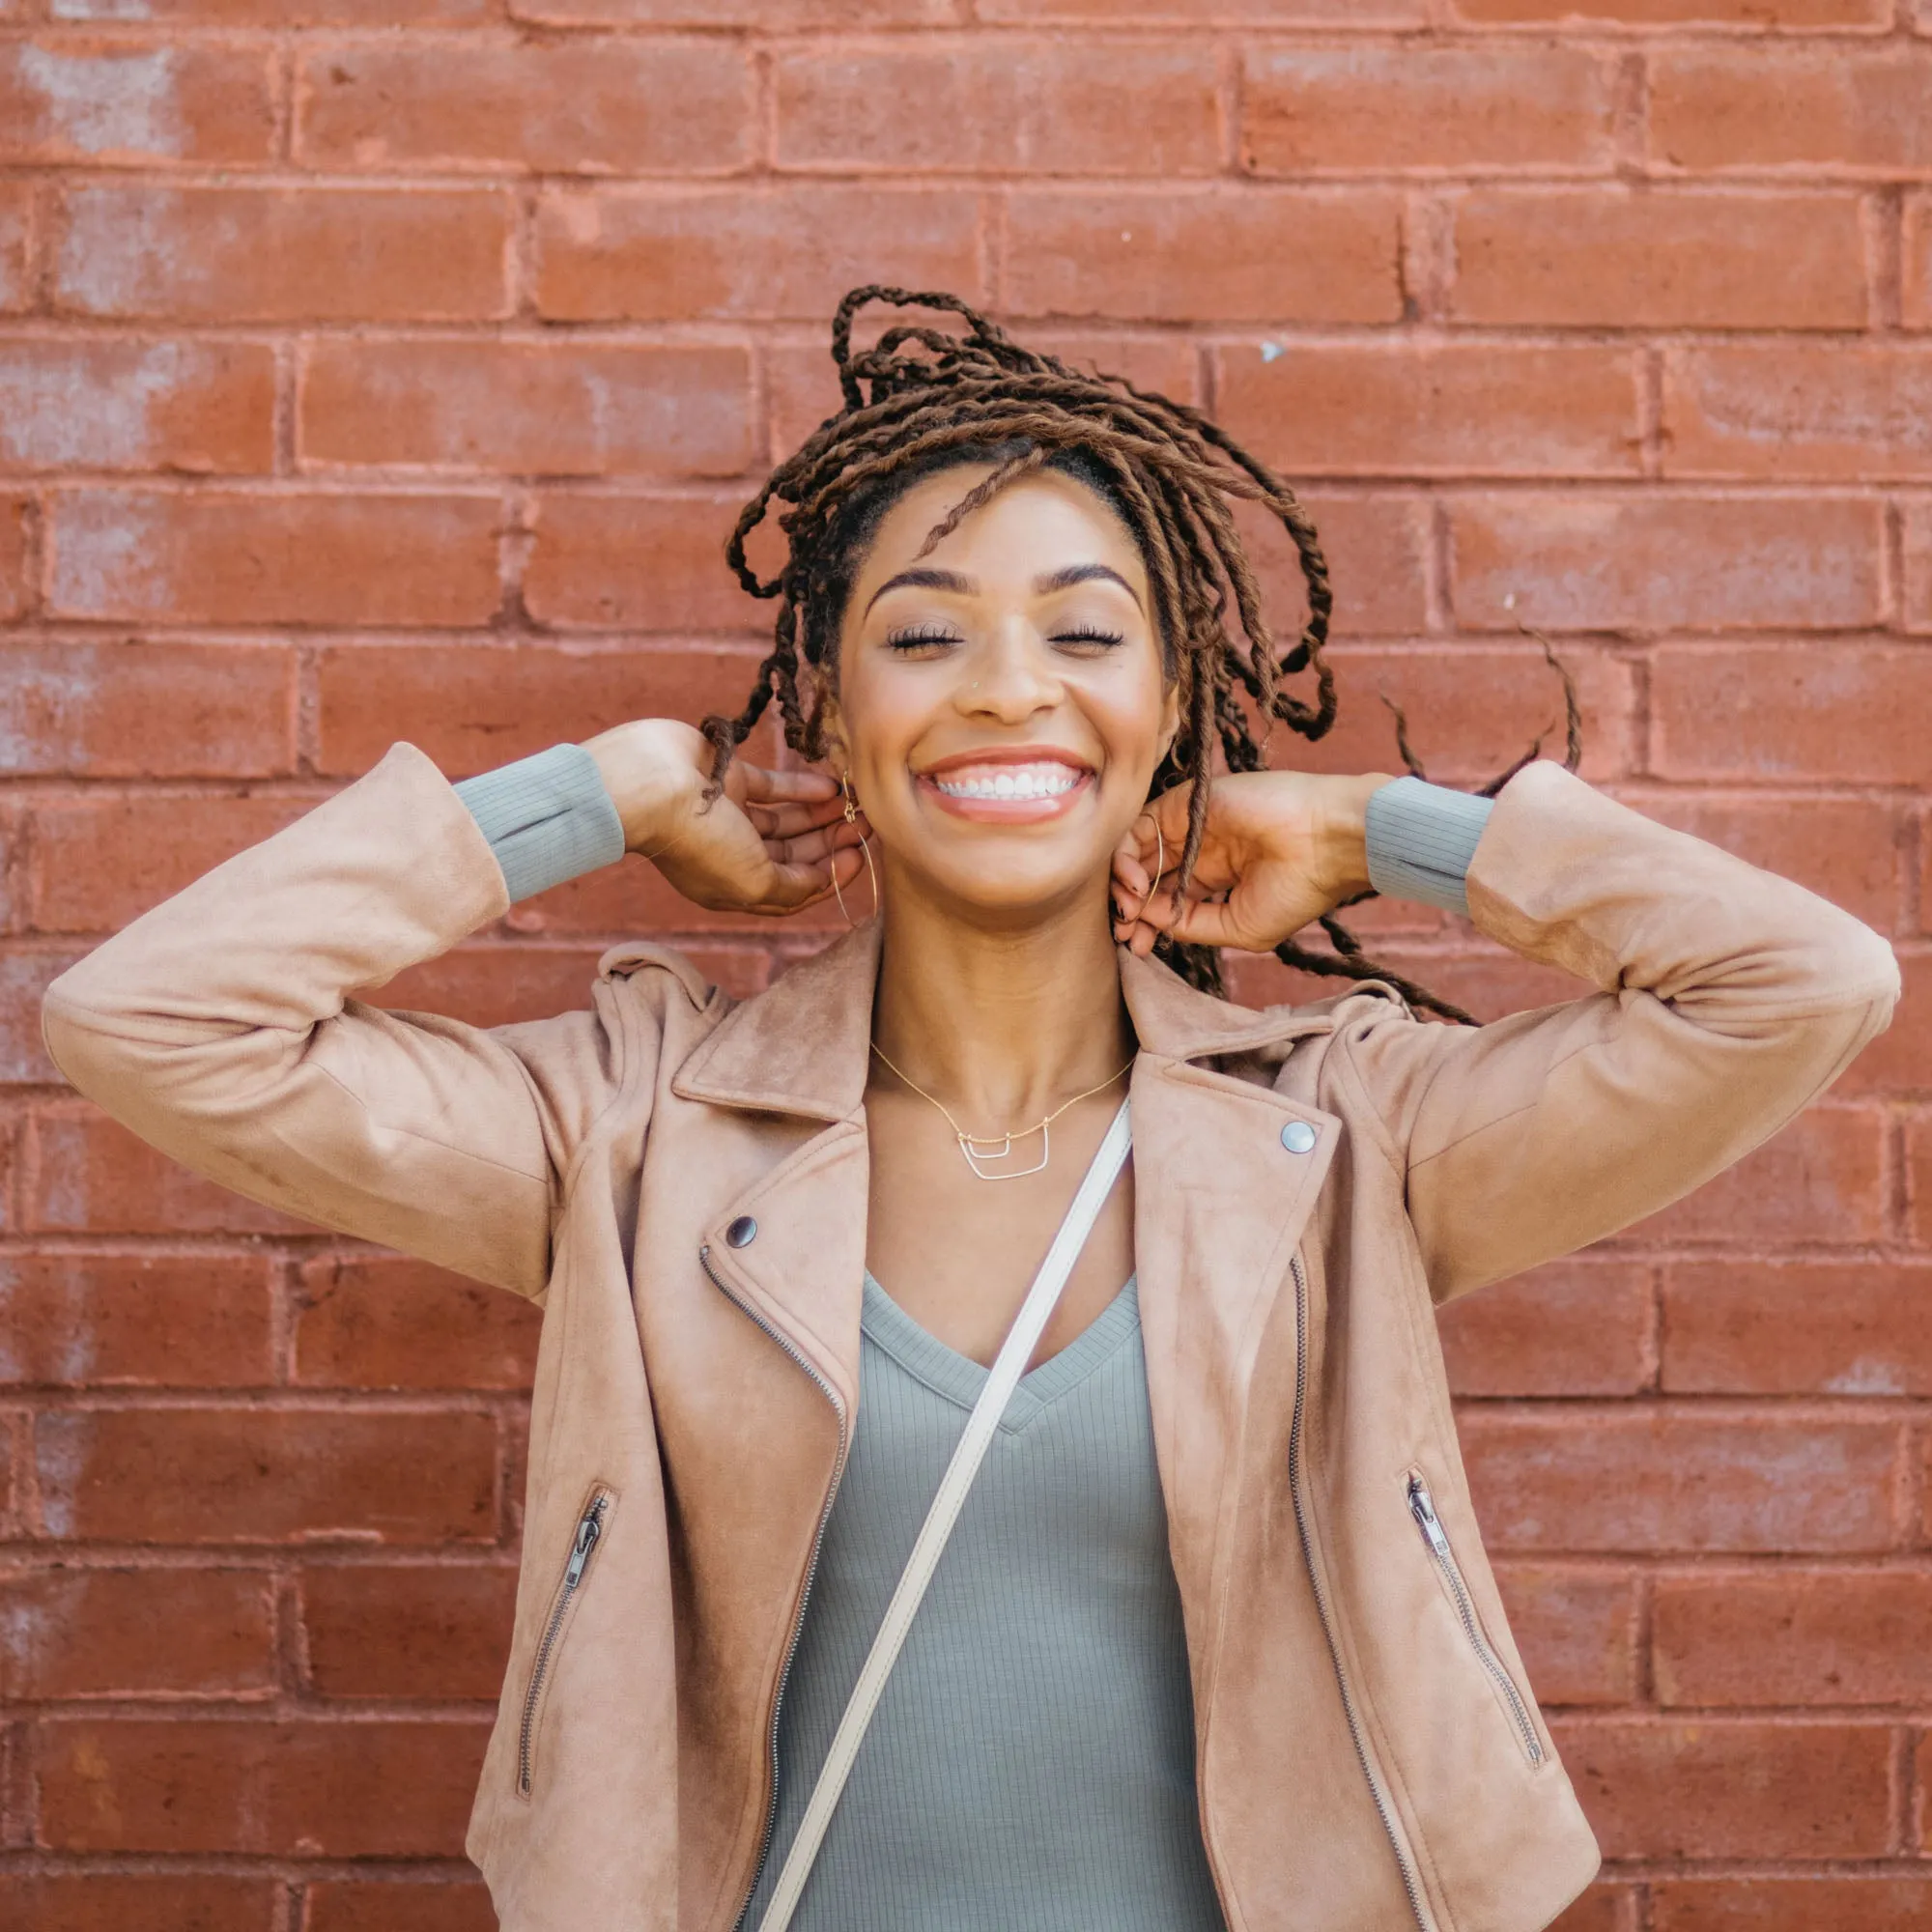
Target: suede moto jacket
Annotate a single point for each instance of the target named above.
(681, 1180)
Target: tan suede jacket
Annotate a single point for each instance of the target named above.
(682, 1180)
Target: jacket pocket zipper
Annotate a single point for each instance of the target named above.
(1422, 1507)
(583, 1548)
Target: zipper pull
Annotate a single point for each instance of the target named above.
(587, 1533)
(1423, 1510)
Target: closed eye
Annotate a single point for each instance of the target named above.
(912, 637)
(1088, 633)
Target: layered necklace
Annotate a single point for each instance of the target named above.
(987, 1151)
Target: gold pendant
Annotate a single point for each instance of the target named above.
(977, 1148)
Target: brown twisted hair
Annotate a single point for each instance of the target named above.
(924, 399)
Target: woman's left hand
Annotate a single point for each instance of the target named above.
(1281, 849)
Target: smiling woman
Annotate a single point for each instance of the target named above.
(1175, 1616)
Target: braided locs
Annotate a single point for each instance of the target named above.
(922, 398)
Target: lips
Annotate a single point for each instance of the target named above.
(1021, 782)
(1015, 786)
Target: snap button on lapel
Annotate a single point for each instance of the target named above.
(744, 1231)
(1297, 1137)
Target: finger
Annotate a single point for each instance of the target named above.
(1209, 923)
(760, 785)
(812, 847)
(787, 820)
(797, 885)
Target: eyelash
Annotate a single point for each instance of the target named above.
(913, 635)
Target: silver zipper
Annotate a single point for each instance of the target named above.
(1404, 1863)
(831, 1395)
(1422, 1507)
(583, 1547)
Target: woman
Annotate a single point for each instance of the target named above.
(1215, 1642)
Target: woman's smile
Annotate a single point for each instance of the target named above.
(1018, 786)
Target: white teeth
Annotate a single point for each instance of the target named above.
(1020, 781)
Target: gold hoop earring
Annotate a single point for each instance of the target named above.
(865, 845)
(1160, 856)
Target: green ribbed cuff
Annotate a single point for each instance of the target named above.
(1421, 840)
(547, 818)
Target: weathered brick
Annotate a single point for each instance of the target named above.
(1576, 1327)
(132, 1320)
(1916, 262)
(241, 1476)
(15, 566)
(402, 1905)
(1377, 552)
(1367, 14)
(382, 1321)
(1792, 410)
(299, 557)
(776, 16)
(139, 710)
(638, 563)
(1919, 1187)
(1639, 14)
(1664, 562)
(498, 985)
(552, 408)
(1324, 109)
(111, 1902)
(367, 1788)
(1576, 1630)
(24, 977)
(1603, 1908)
(1675, 1481)
(472, 707)
(1917, 589)
(1899, 1061)
(1858, 110)
(1847, 713)
(423, 1634)
(233, 254)
(1836, 1638)
(1731, 1788)
(1599, 257)
(88, 101)
(1056, 106)
(1794, 1904)
(1455, 409)
(791, 250)
(560, 107)
(116, 405)
(16, 212)
(1267, 255)
(127, 1632)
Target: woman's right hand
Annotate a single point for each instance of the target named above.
(767, 844)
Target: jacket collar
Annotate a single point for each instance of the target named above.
(801, 1046)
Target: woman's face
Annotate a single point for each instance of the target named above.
(1002, 702)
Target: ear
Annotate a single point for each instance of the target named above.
(1170, 720)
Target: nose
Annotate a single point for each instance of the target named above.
(1012, 677)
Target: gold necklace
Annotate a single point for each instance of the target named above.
(1000, 1146)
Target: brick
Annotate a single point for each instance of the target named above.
(97, 863)
(300, 558)
(1271, 255)
(1876, 14)
(1789, 1904)
(1311, 109)
(423, 1634)
(776, 16)
(1663, 562)
(662, 255)
(136, 710)
(136, 1632)
(497, 986)
(375, 1906)
(1602, 257)
(1576, 1327)
(16, 565)
(384, 1788)
(1212, 13)
(1820, 1180)
(1798, 1327)
(1793, 409)
(1899, 1061)
(93, 1176)
(1377, 550)
(472, 707)
(109, 1902)
(1603, 1908)
(575, 106)
(1916, 262)
(1845, 712)
(382, 1322)
(1061, 106)
(1434, 410)
(1576, 1630)
(1679, 1481)
(24, 977)
(638, 563)
(1917, 589)
(1841, 1638)
(234, 254)
(1918, 1185)
(240, 1475)
(90, 101)
(283, 13)
(17, 212)
(114, 405)
(1731, 1789)
(148, 1320)
(1864, 110)
(563, 409)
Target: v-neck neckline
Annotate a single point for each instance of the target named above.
(959, 1379)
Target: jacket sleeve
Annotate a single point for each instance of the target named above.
(221, 1027)
(1727, 1000)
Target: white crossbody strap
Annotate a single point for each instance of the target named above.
(1043, 1297)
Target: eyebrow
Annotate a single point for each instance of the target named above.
(1081, 573)
(1064, 579)
(923, 580)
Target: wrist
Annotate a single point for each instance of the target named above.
(652, 775)
(1341, 833)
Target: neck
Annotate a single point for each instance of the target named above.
(1002, 1025)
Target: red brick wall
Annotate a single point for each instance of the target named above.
(371, 371)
